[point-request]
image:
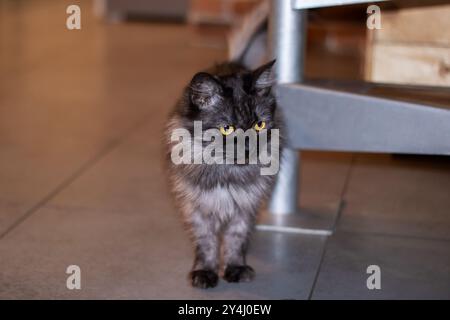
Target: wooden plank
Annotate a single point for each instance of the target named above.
(416, 25)
(412, 47)
(410, 64)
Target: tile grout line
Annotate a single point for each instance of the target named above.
(75, 175)
(340, 209)
(316, 276)
(342, 201)
(65, 183)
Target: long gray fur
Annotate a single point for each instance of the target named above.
(220, 202)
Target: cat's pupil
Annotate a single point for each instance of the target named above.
(259, 123)
(226, 128)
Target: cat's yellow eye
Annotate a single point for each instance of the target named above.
(260, 125)
(226, 130)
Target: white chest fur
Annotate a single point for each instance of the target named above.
(223, 201)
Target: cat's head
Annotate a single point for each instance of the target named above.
(232, 112)
(237, 99)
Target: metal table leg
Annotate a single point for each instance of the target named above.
(287, 32)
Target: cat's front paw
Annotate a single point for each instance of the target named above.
(238, 273)
(204, 279)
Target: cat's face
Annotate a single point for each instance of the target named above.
(240, 100)
(229, 117)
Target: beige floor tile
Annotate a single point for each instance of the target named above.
(401, 195)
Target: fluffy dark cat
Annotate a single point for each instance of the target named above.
(219, 202)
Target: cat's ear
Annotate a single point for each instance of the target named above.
(204, 90)
(263, 78)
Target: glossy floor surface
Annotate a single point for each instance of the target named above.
(82, 182)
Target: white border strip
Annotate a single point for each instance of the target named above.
(317, 232)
